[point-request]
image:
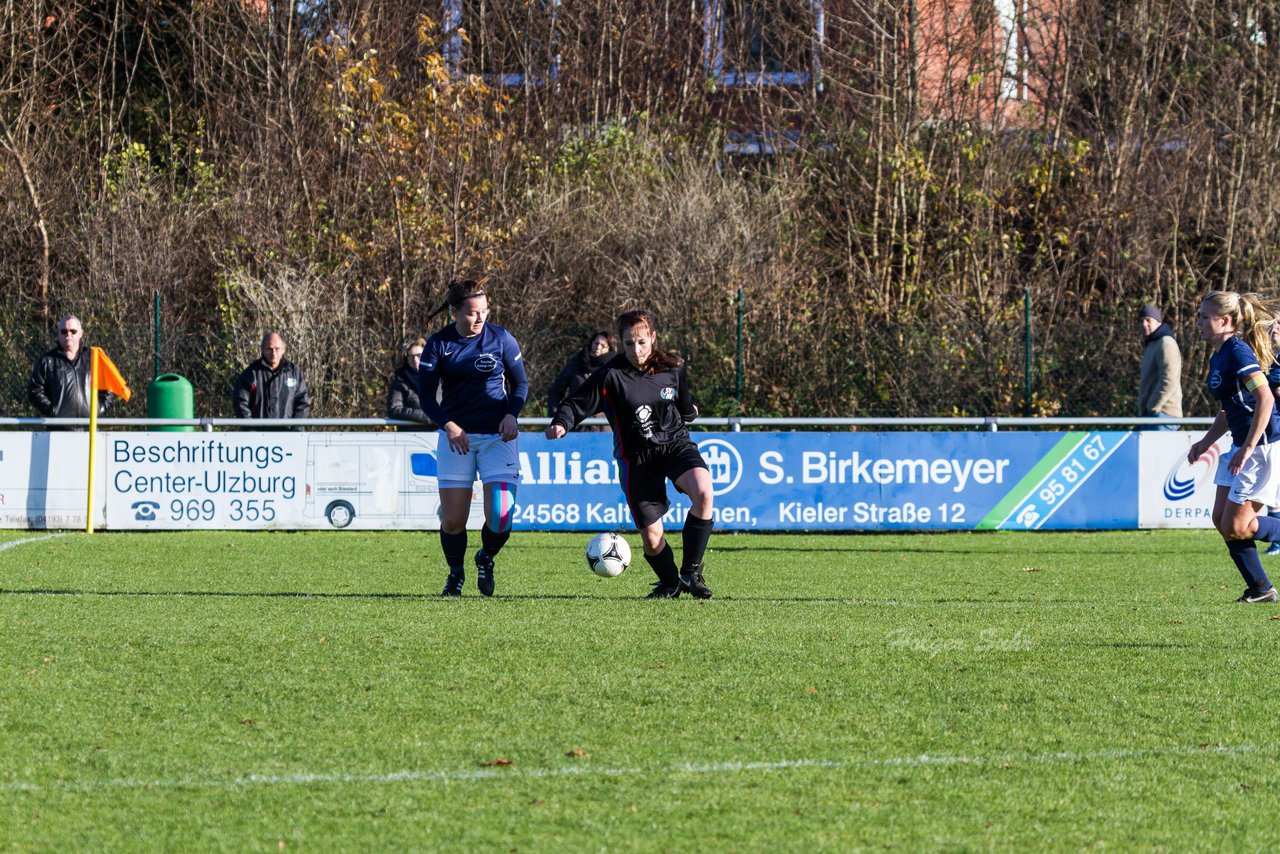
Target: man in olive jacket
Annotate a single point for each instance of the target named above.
(272, 387)
(1160, 383)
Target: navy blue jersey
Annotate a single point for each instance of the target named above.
(1227, 370)
(1273, 377)
(481, 378)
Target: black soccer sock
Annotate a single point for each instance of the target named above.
(493, 541)
(697, 531)
(664, 565)
(455, 549)
(1245, 555)
(1268, 529)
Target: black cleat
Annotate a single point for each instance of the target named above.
(484, 572)
(453, 584)
(691, 582)
(664, 591)
(1269, 595)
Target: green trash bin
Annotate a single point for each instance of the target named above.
(170, 396)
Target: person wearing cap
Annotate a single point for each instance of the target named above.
(1160, 382)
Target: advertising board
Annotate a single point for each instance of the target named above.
(273, 480)
(830, 481)
(43, 480)
(1173, 492)
(856, 481)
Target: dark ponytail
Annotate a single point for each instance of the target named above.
(458, 292)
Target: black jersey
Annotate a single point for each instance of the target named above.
(647, 409)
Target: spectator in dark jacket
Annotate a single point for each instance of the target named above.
(272, 387)
(59, 384)
(402, 396)
(596, 352)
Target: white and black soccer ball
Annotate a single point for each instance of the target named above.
(608, 555)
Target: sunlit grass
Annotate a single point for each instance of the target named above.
(257, 690)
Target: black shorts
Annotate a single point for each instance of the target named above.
(644, 478)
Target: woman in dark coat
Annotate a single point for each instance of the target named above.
(597, 351)
(402, 396)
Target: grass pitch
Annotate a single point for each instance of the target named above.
(310, 691)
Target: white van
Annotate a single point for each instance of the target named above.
(377, 480)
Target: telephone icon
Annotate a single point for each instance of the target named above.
(145, 511)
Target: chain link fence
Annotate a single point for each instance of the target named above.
(1091, 370)
(349, 384)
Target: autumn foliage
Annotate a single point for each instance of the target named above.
(876, 220)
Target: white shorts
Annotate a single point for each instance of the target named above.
(1259, 477)
(490, 459)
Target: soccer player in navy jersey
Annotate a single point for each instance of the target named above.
(478, 370)
(1273, 380)
(1238, 328)
(645, 396)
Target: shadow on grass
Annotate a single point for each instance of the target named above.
(275, 594)
(436, 597)
(877, 546)
(514, 597)
(855, 600)
(1013, 549)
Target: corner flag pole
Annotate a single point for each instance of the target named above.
(112, 383)
(93, 434)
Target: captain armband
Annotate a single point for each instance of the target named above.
(1253, 381)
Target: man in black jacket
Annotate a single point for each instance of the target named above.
(59, 384)
(272, 387)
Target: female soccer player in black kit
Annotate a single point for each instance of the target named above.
(645, 397)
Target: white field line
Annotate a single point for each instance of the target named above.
(507, 772)
(15, 543)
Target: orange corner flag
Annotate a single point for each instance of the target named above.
(108, 375)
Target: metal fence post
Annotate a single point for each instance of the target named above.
(738, 393)
(1026, 323)
(156, 348)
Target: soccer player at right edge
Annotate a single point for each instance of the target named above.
(1238, 328)
(645, 397)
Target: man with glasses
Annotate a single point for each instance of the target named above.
(59, 384)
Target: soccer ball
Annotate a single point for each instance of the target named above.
(608, 555)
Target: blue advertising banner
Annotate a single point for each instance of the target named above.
(763, 481)
(855, 481)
